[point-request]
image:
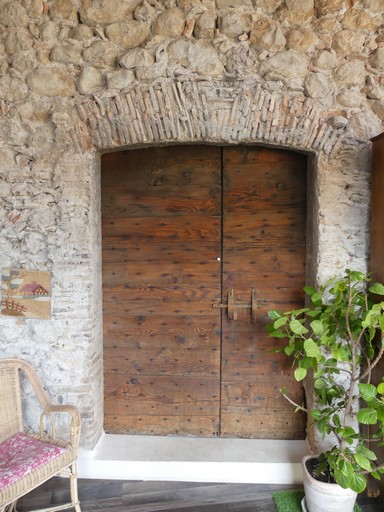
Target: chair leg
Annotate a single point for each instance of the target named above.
(73, 488)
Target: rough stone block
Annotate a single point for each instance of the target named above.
(101, 54)
(170, 23)
(128, 34)
(104, 12)
(51, 82)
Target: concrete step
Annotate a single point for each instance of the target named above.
(187, 459)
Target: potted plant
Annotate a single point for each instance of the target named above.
(334, 344)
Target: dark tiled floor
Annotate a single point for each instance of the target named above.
(132, 496)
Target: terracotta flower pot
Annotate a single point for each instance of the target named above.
(323, 496)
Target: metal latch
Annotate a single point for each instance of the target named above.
(233, 307)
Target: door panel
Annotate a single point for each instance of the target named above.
(264, 250)
(161, 243)
(182, 226)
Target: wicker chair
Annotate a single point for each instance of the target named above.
(28, 460)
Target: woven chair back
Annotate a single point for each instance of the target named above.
(11, 414)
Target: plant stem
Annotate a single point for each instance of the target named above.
(354, 370)
(375, 361)
(338, 369)
(300, 407)
(377, 468)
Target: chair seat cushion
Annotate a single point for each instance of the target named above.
(21, 454)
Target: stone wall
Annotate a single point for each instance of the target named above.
(81, 77)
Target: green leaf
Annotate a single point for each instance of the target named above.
(316, 414)
(377, 288)
(362, 461)
(353, 481)
(348, 432)
(380, 388)
(357, 483)
(381, 323)
(366, 452)
(370, 319)
(273, 314)
(316, 298)
(317, 327)
(280, 322)
(289, 350)
(341, 353)
(380, 414)
(320, 384)
(323, 426)
(311, 349)
(298, 312)
(355, 275)
(367, 416)
(371, 333)
(297, 327)
(368, 391)
(313, 313)
(300, 374)
(276, 333)
(307, 362)
(341, 479)
(309, 290)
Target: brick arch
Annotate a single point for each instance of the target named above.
(215, 112)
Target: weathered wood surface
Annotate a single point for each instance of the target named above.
(134, 332)
(377, 246)
(267, 226)
(122, 496)
(161, 240)
(182, 225)
(121, 249)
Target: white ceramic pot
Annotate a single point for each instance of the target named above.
(325, 497)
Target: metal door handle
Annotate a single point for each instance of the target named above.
(232, 306)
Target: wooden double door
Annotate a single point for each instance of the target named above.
(199, 242)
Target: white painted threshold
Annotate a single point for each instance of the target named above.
(189, 459)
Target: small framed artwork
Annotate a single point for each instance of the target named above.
(26, 293)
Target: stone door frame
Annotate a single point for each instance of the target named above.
(220, 113)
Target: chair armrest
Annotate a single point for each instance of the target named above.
(73, 411)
